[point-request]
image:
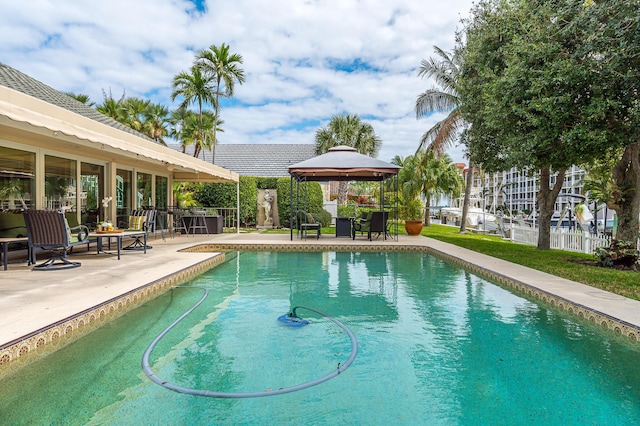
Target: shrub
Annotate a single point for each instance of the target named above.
(314, 200)
(618, 253)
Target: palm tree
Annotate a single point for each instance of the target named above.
(223, 67)
(155, 122)
(111, 107)
(437, 177)
(134, 112)
(194, 88)
(347, 130)
(445, 70)
(82, 98)
(428, 175)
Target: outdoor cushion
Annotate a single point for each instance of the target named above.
(135, 222)
(12, 225)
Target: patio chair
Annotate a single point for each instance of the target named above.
(376, 222)
(305, 223)
(49, 230)
(140, 220)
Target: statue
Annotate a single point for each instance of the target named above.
(266, 204)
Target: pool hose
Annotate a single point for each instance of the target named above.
(214, 394)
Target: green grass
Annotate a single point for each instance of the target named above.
(556, 262)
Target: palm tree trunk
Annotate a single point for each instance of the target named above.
(427, 212)
(343, 190)
(467, 199)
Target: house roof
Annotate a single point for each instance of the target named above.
(33, 111)
(16, 80)
(265, 160)
(343, 163)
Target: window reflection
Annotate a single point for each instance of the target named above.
(143, 196)
(123, 194)
(59, 183)
(17, 178)
(92, 181)
(162, 192)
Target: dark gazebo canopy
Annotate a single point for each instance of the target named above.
(343, 163)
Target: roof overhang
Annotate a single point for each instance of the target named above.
(82, 135)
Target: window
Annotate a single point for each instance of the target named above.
(143, 186)
(123, 194)
(59, 183)
(162, 192)
(92, 181)
(17, 178)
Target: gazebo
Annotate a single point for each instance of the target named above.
(341, 163)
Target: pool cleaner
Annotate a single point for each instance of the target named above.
(270, 392)
(292, 320)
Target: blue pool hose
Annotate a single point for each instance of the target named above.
(213, 394)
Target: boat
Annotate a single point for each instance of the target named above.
(477, 218)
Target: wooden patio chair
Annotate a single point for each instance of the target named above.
(49, 230)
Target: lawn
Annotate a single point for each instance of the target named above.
(563, 264)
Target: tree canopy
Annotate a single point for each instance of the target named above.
(546, 86)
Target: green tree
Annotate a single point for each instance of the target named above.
(112, 107)
(194, 88)
(347, 130)
(156, 122)
(224, 69)
(445, 70)
(82, 98)
(428, 175)
(134, 110)
(534, 92)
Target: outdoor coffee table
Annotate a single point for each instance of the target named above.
(118, 236)
(5, 247)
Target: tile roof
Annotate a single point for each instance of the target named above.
(20, 82)
(265, 160)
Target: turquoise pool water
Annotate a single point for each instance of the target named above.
(437, 346)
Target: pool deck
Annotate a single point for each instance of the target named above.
(34, 300)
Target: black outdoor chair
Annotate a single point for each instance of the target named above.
(376, 222)
(140, 220)
(305, 223)
(49, 230)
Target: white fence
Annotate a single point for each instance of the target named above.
(579, 241)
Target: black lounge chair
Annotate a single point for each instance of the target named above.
(376, 222)
(49, 230)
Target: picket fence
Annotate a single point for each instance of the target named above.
(579, 241)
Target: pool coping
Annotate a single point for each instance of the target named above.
(46, 340)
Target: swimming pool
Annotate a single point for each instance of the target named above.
(437, 345)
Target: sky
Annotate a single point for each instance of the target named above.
(304, 60)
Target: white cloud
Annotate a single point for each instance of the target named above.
(290, 49)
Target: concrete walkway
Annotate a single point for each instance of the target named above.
(33, 300)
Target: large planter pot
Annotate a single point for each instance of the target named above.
(413, 227)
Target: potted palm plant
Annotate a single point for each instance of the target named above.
(411, 211)
(409, 204)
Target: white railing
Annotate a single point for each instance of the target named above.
(579, 241)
